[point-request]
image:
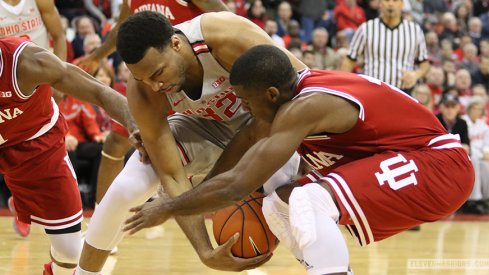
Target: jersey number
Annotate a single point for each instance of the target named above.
(2, 140)
(402, 175)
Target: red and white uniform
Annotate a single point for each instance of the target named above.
(396, 168)
(177, 11)
(32, 149)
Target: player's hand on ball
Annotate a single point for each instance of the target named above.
(149, 214)
(221, 258)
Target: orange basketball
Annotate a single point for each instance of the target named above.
(245, 217)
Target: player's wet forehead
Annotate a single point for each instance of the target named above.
(147, 66)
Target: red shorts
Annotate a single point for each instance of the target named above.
(42, 181)
(382, 195)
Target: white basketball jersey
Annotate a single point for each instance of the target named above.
(217, 101)
(23, 20)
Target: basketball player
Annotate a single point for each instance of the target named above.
(174, 69)
(34, 159)
(116, 145)
(374, 175)
(35, 20)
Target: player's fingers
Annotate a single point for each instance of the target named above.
(131, 225)
(229, 243)
(134, 218)
(137, 228)
(136, 208)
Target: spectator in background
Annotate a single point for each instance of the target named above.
(325, 57)
(463, 40)
(422, 93)
(475, 30)
(342, 40)
(84, 26)
(480, 7)
(293, 34)
(271, 30)
(309, 59)
(447, 52)
(435, 6)
(463, 83)
(83, 143)
(312, 12)
(90, 43)
(417, 12)
(257, 13)
(434, 80)
(481, 75)
(450, 119)
(349, 16)
(484, 48)
(462, 14)
(284, 15)
(449, 69)
(479, 154)
(450, 28)
(471, 60)
(433, 48)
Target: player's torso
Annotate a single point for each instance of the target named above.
(21, 117)
(177, 11)
(23, 20)
(217, 101)
(388, 120)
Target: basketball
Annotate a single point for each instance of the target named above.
(245, 217)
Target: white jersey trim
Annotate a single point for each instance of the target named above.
(361, 114)
(361, 219)
(48, 126)
(14, 70)
(1, 63)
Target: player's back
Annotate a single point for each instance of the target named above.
(21, 117)
(388, 120)
(177, 11)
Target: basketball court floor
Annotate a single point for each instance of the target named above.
(447, 247)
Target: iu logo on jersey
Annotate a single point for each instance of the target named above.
(402, 175)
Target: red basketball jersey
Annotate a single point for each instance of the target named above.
(177, 11)
(21, 117)
(389, 120)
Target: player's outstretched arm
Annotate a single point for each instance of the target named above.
(52, 21)
(39, 66)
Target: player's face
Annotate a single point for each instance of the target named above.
(163, 71)
(256, 102)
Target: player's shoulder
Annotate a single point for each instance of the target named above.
(221, 22)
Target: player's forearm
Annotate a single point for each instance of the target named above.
(59, 46)
(196, 232)
(209, 196)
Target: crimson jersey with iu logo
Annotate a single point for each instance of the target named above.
(177, 11)
(21, 117)
(388, 120)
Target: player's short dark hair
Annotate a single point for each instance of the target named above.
(142, 31)
(263, 66)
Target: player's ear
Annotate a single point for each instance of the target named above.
(175, 42)
(273, 94)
